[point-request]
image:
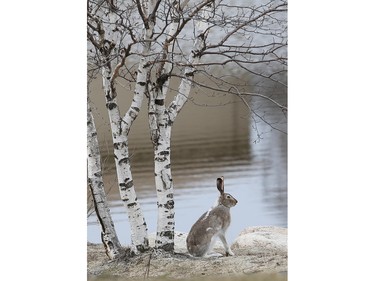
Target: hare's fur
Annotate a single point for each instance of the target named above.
(211, 225)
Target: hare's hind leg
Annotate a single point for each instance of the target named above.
(228, 250)
(209, 253)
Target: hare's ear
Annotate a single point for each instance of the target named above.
(220, 184)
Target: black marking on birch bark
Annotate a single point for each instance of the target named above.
(119, 145)
(174, 106)
(100, 202)
(111, 105)
(108, 96)
(93, 134)
(132, 114)
(169, 234)
(101, 184)
(164, 183)
(131, 205)
(124, 160)
(142, 248)
(170, 123)
(128, 184)
(191, 73)
(170, 195)
(169, 247)
(122, 185)
(169, 205)
(98, 174)
(168, 166)
(160, 159)
(120, 127)
(135, 108)
(171, 216)
(161, 80)
(164, 152)
(159, 101)
(142, 83)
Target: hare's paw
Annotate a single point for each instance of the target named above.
(229, 253)
(213, 255)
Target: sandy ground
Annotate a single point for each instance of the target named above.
(247, 264)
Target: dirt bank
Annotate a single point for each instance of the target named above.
(247, 264)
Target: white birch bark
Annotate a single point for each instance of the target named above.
(120, 128)
(138, 227)
(95, 180)
(161, 133)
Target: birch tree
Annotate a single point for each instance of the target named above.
(95, 181)
(161, 117)
(111, 36)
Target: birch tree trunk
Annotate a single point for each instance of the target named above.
(120, 130)
(161, 122)
(112, 35)
(95, 180)
(120, 127)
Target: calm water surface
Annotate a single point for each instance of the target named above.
(208, 140)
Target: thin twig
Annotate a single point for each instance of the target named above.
(147, 267)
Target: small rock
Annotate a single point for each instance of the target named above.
(262, 240)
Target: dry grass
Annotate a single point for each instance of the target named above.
(244, 277)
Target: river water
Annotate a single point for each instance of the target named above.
(213, 136)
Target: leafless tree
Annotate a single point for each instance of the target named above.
(111, 37)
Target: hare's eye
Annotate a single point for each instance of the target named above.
(228, 196)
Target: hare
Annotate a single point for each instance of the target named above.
(210, 225)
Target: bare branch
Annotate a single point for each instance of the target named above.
(240, 94)
(141, 13)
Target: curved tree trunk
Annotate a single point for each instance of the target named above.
(95, 181)
(138, 227)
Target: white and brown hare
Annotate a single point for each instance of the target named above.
(210, 225)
